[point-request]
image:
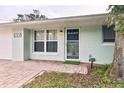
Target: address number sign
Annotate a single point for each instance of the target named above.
(17, 35)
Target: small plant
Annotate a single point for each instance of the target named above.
(119, 85)
(99, 72)
(104, 67)
(81, 80)
(113, 81)
(103, 85)
(106, 80)
(96, 86)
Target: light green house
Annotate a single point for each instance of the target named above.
(60, 39)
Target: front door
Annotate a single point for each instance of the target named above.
(72, 44)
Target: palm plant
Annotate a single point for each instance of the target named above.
(36, 15)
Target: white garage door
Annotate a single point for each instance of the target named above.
(5, 44)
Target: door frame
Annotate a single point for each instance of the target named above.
(66, 43)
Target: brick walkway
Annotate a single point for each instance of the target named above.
(14, 74)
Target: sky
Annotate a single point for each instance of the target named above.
(10, 12)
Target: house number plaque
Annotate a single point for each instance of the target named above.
(17, 35)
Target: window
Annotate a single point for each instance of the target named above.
(39, 46)
(45, 41)
(51, 46)
(51, 35)
(51, 43)
(108, 34)
(39, 35)
(39, 41)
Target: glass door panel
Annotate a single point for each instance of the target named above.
(73, 44)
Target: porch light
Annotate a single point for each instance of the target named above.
(61, 31)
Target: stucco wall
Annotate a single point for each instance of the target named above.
(18, 45)
(91, 43)
(19, 49)
(6, 43)
(27, 34)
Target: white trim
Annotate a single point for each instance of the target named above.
(45, 38)
(46, 53)
(72, 59)
(72, 18)
(66, 43)
(37, 40)
(108, 44)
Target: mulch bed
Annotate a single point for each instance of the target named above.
(66, 80)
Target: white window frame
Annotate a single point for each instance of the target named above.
(108, 44)
(38, 40)
(45, 41)
(52, 40)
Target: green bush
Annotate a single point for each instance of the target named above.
(98, 72)
(119, 85)
(81, 80)
(104, 67)
(96, 86)
(106, 80)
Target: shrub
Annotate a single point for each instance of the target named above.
(119, 85)
(104, 67)
(81, 80)
(106, 80)
(98, 72)
(96, 86)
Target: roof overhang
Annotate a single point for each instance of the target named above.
(88, 20)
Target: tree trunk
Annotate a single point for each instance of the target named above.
(116, 68)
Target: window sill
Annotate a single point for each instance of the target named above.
(46, 53)
(108, 44)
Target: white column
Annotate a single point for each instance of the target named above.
(18, 45)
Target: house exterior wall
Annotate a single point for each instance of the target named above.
(27, 34)
(91, 43)
(20, 48)
(18, 44)
(6, 43)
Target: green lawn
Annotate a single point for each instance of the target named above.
(95, 79)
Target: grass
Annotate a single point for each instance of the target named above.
(51, 80)
(101, 70)
(72, 62)
(75, 80)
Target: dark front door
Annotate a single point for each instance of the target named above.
(72, 43)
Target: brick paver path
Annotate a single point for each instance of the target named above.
(14, 74)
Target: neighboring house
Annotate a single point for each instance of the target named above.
(60, 39)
